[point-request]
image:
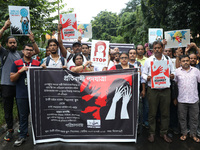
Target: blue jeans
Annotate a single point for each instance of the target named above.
(23, 108)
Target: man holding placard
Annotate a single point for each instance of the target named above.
(158, 70)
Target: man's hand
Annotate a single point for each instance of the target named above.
(142, 94)
(7, 24)
(31, 37)
(171, 76)
(24, 68)
(64, 67)
(59, 27)
(148, 78)
(43, 66)
(164, 42)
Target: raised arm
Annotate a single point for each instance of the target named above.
(6, 25)
(31, 37)
(62, 48)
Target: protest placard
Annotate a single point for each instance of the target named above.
(20, 20)
(160, 74)
(177, 38)
(99, 53)
(85, 30)
(155, 34)
(69, 26)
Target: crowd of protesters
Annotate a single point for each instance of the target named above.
(176, 109)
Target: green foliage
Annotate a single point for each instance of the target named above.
(104, 25)
(41, 21)
(134, 20)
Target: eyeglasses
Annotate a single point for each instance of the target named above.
(123, 57)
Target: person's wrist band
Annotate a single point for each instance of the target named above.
(18, 72)
(4, 28)
(83, 66)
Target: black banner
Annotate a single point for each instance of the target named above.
(90, 107)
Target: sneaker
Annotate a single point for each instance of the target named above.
(19, 141)
(9, 135)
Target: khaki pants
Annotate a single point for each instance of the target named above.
(159, 99)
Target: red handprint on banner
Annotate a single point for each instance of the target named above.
(166, 73)
(158, 71)
(75, 25)
(66, 24)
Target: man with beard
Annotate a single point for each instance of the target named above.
(158, 97)
(18, 75)
(116, 61)
(54, 60)
(8, 56)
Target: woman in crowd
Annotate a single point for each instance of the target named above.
(124, 57)
(78, 60)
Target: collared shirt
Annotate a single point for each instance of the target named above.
(21, 83)
(147, 71)
(141, 68)
(53, 64)
(142, 61)
(187, 84)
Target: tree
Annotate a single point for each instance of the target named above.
(104, 25)
(41, 21)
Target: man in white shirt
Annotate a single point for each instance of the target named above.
(158, 97)
(54, 60)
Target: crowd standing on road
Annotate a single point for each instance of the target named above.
(167, 107)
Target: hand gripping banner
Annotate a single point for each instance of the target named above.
(85, 107)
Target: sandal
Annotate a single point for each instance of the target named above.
(196, 139)
(183, 137)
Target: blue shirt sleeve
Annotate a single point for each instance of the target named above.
(14, 68)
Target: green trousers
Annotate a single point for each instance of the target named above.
(159, 99)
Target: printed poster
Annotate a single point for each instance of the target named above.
(99, 53)
(69, 26)
(177, 38)
(85, 30)
(20, 20)
(155, 34)
(85, 107)
(160, 74)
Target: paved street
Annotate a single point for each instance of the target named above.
(142, 144)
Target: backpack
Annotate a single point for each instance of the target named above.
(48, 60)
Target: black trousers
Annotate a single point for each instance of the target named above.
(8, 95)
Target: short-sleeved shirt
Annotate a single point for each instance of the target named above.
(21, 83)
(54, 64)
(12, 56)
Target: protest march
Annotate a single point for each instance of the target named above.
(94, 92)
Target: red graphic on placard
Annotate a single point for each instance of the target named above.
(98, 92)
(75, 25)
(64, 25)
(158, 71)
(102, 49)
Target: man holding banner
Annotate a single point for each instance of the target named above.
(158, 77)
(8, 56)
